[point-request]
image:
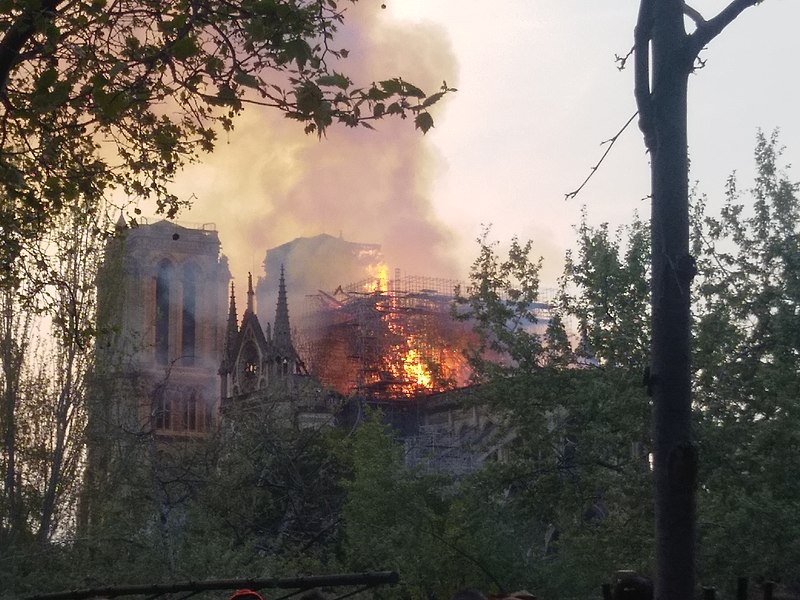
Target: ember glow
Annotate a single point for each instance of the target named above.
(415, 370)
(387, 338)
(380, 278)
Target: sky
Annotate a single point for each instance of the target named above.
(538, 91)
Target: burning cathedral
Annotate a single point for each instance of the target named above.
(172, 343)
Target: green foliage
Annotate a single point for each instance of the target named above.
(576, 476)
(275, 490)
(605, 287)
(747, 362)
(392, 518)
(501, 303)
(86, 85)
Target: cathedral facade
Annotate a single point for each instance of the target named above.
(173, 366)
(168, 359)
(257, 359)
(161, 329)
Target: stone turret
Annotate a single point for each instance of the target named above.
(282, 334)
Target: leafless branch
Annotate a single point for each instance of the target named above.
(699, 63)
(622, 60)
(710, 29)
(609, 143)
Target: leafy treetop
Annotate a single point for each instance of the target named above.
(95, 94)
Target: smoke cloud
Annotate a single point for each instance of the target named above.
(269, 183)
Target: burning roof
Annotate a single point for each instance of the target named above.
(385, 338)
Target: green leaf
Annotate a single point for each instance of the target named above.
(46, 79)
(184, 48)
(392, 86)
(110, 105)
(226, 95)
(246, 80)
(214, 65)
(299, 51)
(336, 80)
(432, 99)
(412, 90)
(118, 68)
(309, 98)
(375, 93)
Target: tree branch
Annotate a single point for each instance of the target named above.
(710, 29)
(623, 60)
(18, 35)
(611, 141)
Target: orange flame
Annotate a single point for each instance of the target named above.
(415, 370)
(380, 278)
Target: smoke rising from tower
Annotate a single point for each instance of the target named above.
(269, 183)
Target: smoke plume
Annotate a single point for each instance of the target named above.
(269, 183)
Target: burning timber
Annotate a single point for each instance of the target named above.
(380, 338)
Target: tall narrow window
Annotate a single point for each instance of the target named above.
(162, 411)
(190, 418)
(189, 320)
(162, 311)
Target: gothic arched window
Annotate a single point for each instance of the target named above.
(189, 316)
(162, 311)
(249, 369)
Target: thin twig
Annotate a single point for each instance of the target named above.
(623, 60)
(610, 144)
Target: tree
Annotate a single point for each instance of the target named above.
(99, 94)
(576, 478)
(746, 368)
(665, 55)
(45, 362)
(392, 517)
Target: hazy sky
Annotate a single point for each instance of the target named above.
(538, 92)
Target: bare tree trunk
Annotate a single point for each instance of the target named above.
(675, 456)
(14, 337)
(65, 405)
(661, 96)
(8, 416)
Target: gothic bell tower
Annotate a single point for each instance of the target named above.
(161, 307)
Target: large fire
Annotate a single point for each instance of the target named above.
(415, 370)
(387, 338)
(379, 275)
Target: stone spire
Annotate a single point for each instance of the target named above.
(281, 333)
(121, 224)
(231, 332)
(250, 293)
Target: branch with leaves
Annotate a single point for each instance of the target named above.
(101, 95)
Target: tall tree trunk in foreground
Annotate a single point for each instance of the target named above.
(664, 57)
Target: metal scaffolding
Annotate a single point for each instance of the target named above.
(386, 338)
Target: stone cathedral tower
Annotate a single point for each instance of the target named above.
(161, 307)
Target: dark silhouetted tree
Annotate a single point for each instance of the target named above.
(665, 54)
